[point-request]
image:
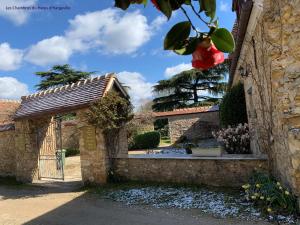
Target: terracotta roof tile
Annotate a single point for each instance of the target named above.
(185, 111)
(65, 98)
(239, 31)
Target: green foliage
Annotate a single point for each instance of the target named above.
(178, 33)
(162, 126)
(209, 7)
(139, 124)
(270, 195)
(146, 140)
(182, 90)
(233, 107)
(223, 40)
(178, 38)
(60, 75)
(187, 47)
(165, 7)
(110, 112)
(123, 4)
(72, 152)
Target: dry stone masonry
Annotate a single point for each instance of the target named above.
(271, 56)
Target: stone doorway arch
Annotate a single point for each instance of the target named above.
(34, 118)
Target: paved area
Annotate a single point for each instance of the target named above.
(63, 204)
(72, 169)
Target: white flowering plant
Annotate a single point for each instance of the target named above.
(236, 140)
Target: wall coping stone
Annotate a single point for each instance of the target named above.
(225, 158)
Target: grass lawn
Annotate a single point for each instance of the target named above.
(165, 141)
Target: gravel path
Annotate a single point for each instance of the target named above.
(62, 204)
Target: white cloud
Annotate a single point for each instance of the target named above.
(224, 6)
(50, 51)
(11, 88)
(140, 90)
(18, 17)
(10, 58)
(109, 31)
(171, 71)
(158, 22)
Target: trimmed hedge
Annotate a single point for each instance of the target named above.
(72, 152)
(146, 140)
(233, 107)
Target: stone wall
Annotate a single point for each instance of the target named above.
(273, 88)
(7, 153)
(29, 136)
(70, 135)
(193, 126)
(93, 152)
(7, 109)
(228, 172)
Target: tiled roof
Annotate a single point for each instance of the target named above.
(187, 111)
(239, 30)
(65, 98)
(6, 127)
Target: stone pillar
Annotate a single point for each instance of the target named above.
(27, 147)
(93, 157)
(123, 144)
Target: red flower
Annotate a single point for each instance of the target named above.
(155, 4)
(207, 57)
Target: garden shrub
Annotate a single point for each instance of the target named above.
(235, 140)
(270, 195)
(72, 152)
(146, 140)
(162, 126)
(233, 107)
(111, 113)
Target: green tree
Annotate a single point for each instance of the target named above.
(233, 106)
(185, 89)
(60, 75)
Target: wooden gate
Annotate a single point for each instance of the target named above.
(49, 139)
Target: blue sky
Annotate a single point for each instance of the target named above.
(93, 36)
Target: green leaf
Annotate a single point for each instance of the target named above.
(165, 7)
(145, 2)
(176, 4)
(122, 4)
(178, 33)
(223, 40)
(188, 48)
(209, 7)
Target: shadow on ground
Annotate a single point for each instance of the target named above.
(18, 191)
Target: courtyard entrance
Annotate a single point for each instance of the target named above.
(51, 156)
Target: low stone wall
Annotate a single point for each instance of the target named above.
(7, 153)
(193, 126)
(226, 172)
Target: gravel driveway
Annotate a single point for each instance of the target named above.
(65, 204)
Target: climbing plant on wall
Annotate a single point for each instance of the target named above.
(110, 114)
(207, 47)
